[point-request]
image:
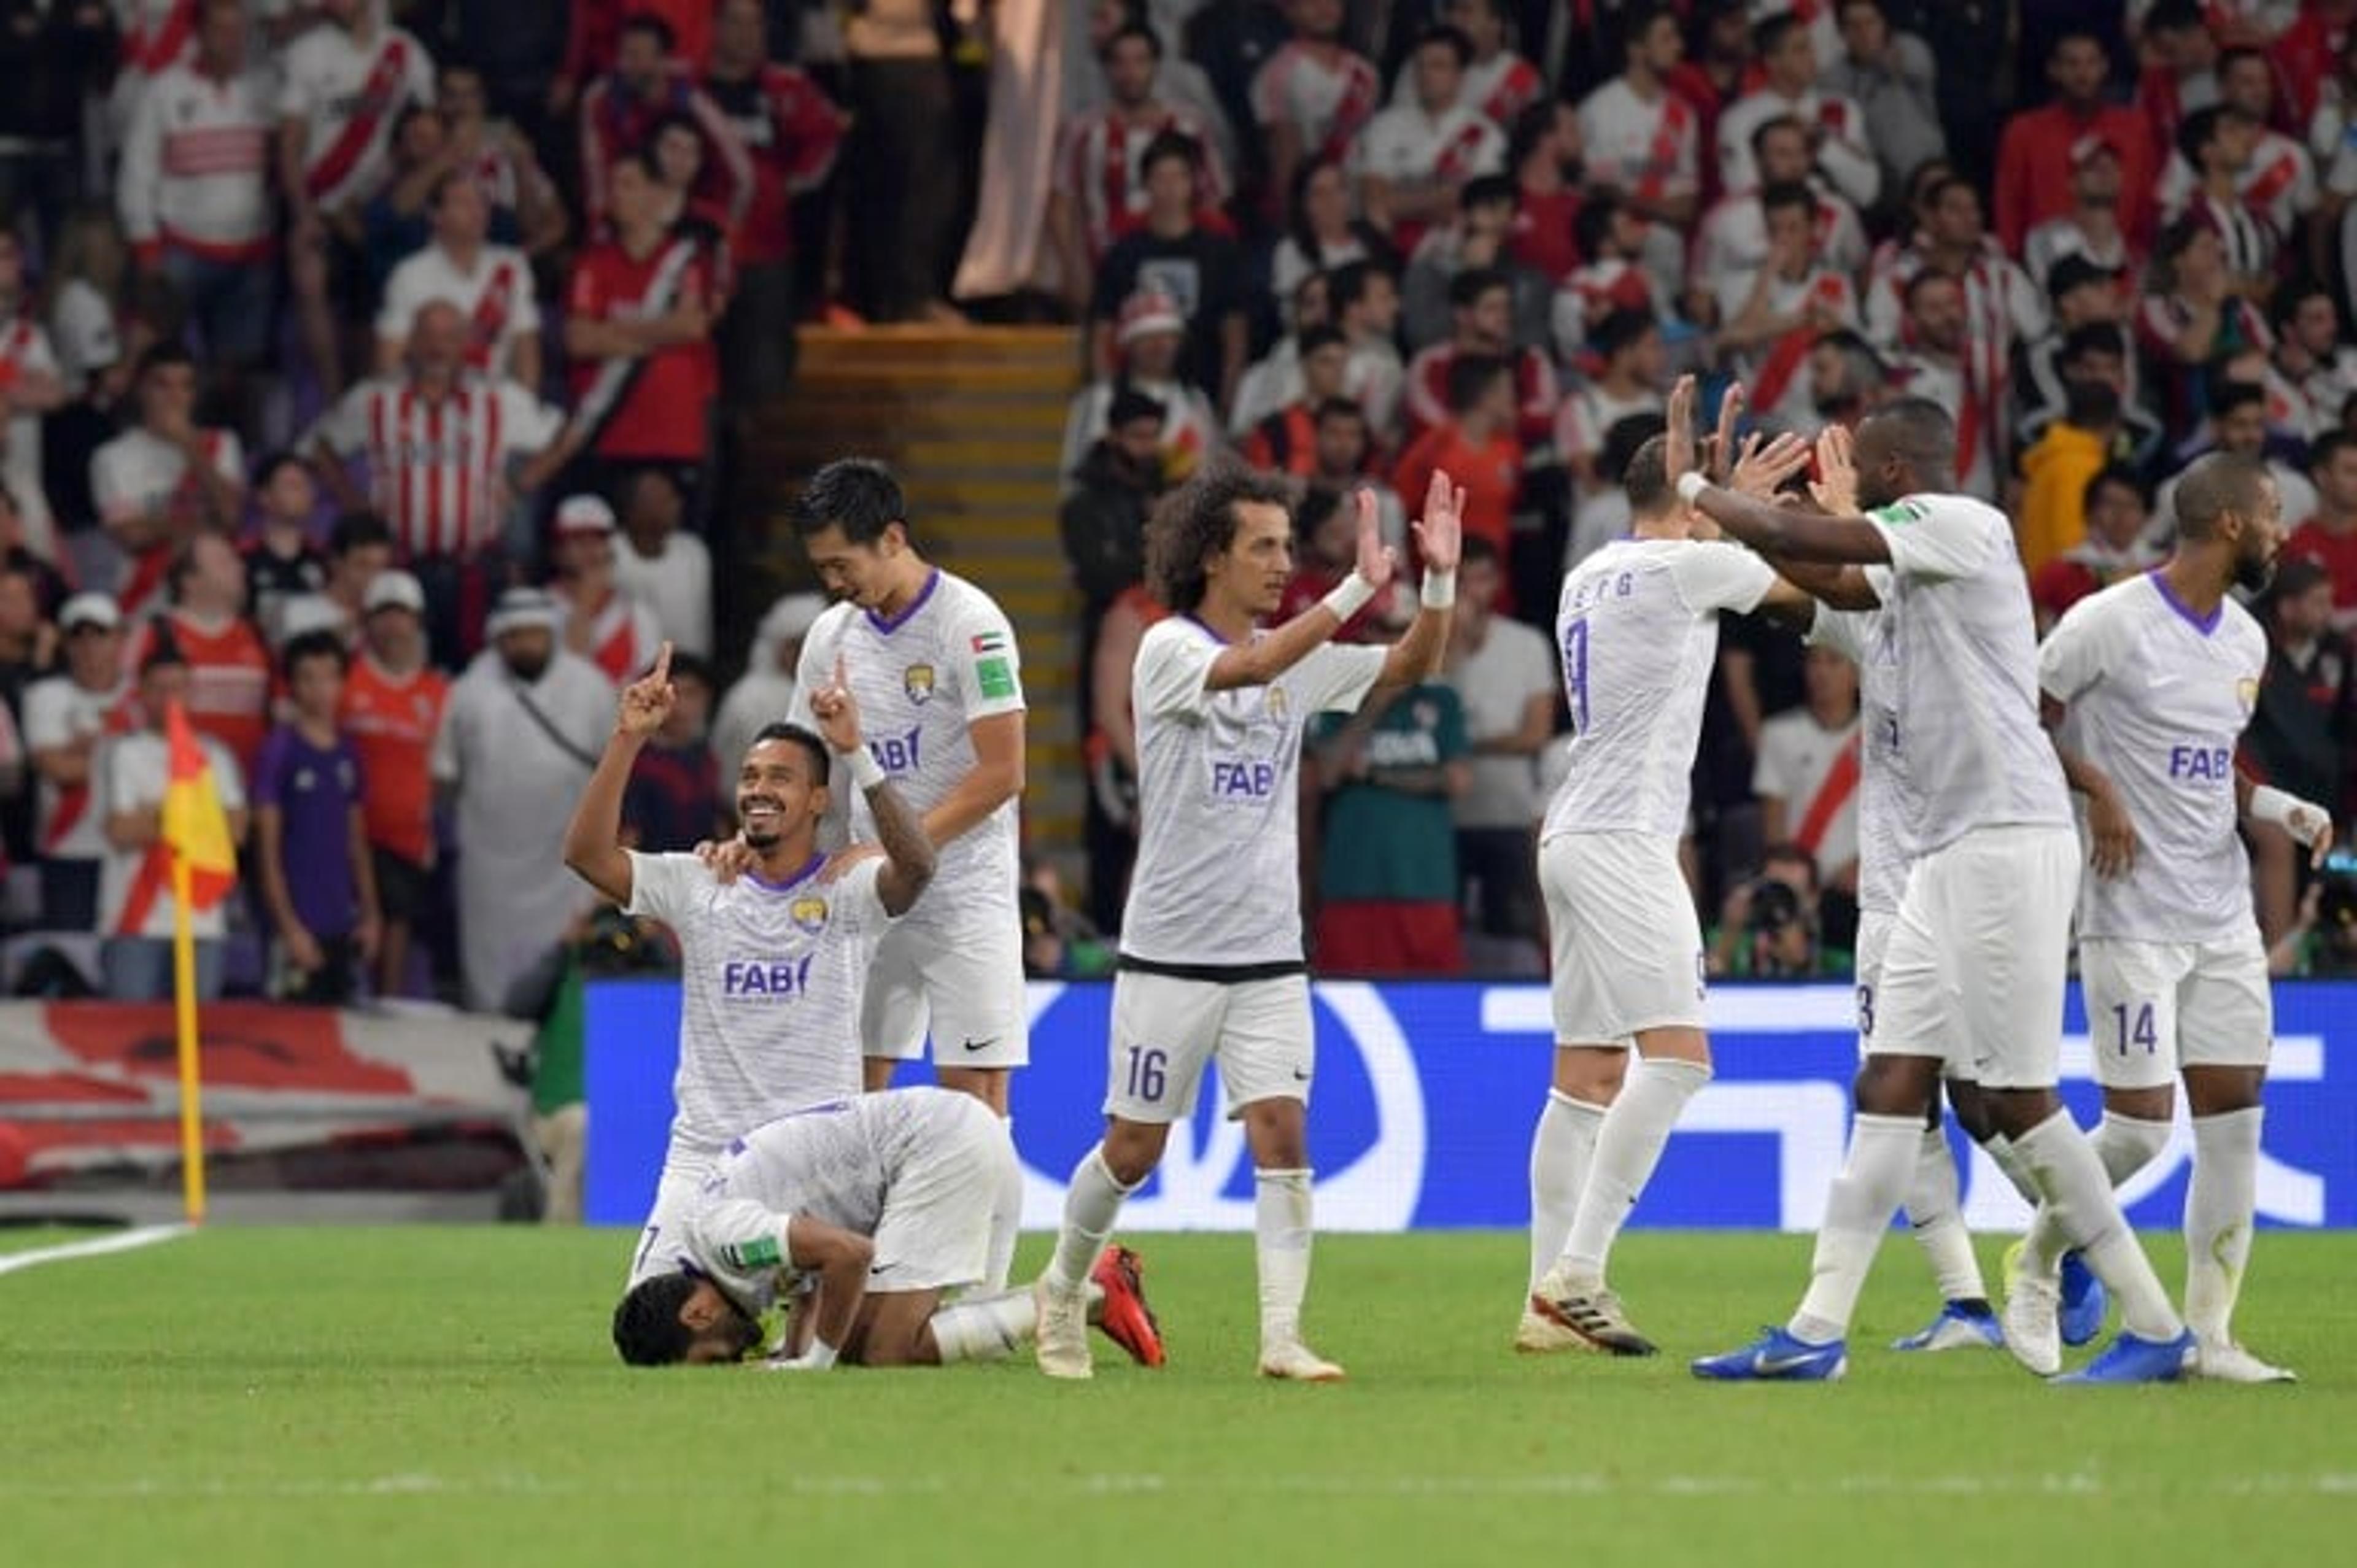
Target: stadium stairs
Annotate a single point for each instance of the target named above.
(973, 421)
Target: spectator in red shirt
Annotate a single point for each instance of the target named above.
(2034, 164)
(792, 132)
(229, 668)
(620, 113)
(1476, 445)
(638, 325)
(1483, 303)
(2113, 549)
(2329, 537)
(391, 706)
(1542, 156)
(1327, 523)
(593, 39)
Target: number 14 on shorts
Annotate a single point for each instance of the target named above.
(1149, 1072)
(2135, 1027)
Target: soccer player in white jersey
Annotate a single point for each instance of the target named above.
(1637, 629)
(1978, 961)
(1212, 967)
(2147, 686)
(882, 1202)
(771, 961)
(934, 663)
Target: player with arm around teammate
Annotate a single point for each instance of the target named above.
(1211, 966)
(2147, 686)
(771, 961)
(1976, 967)
(881, 1203)
(1637, 630)
(933, 660)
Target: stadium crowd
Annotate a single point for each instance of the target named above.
(373, 373)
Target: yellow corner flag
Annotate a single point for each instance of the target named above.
(204, 869)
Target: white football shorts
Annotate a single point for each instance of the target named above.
(935, 1229)
(2155, 1007)
(1166, 1030)
(962, 984)
(661, 1239)
(1979, 957)
(1628, 952)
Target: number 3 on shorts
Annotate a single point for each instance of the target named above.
(1146, 1072)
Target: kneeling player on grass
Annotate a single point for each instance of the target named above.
(886, 1202)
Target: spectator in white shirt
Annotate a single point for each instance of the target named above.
(664, 567)
(765, 693)
(490, 285)
(1733, 239)
(1836, 123)
(1894, 81)
(1807, 772)
(1413, 159)
(1504, 672)
(165, 479)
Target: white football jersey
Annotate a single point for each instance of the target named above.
(834, 1162)
(1218, 880)
(2157, 698)
(1950, 675)
(921, 678)
(1637, 629)
(1882, 865)
(770, 987)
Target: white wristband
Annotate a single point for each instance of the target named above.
(2269, 804)
(1439, 590)
(1349, 597)
(1691, 484)
(865, 771)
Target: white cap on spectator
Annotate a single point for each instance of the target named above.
(1147, 312)
(521, 609)
(394, 589)
(584, 514)
(791, 616)
(90, 609)
(306, 613)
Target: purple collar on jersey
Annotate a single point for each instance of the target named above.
(1206, 631)
(932, 581)
(810, 869)
(2203, 624)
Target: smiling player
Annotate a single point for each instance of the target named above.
(1211, 968)
(769, 961)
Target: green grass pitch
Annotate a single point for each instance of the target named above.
(434, 1397)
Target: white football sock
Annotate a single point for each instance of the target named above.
(2008, 1159)
(1935, 1209)
(1561, 1148)
(2125, 1145)
(1090, 1209)
(1006, 1222)
(2219, 1209)
(1281, 1231)
(1628, 1146)
(2087, 1211)
(1872, 1185)
(985, 1327)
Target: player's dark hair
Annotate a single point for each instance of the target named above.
(822, 759)
(1196, 521)
(1766, 128)
(647, 1329)
(2218, 483)
(1466, 289)
(1170, 145)
(858, 495)
(1624, 442)
(1925, 436)
(320, 644)
(1470, 377)
(1646, 479)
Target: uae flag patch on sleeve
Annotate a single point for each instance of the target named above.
(993, 673)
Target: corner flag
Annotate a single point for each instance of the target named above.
(195, 834)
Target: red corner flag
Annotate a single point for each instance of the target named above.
(196, 829)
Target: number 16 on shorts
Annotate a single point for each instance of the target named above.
(1149, 1068)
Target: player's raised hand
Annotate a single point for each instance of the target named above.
(1377, 563)
(2114, 834)
(1440, 531)
(837, 711)
(1835, 489)
(647, 701)
(1722, 447)
(1761, 470)
(1678, 454)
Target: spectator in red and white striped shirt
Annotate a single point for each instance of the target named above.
(160, 483)
(491, 283)
(193, 189)
(438, 441)
(602, 623)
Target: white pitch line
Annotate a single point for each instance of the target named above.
(96, 1246)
